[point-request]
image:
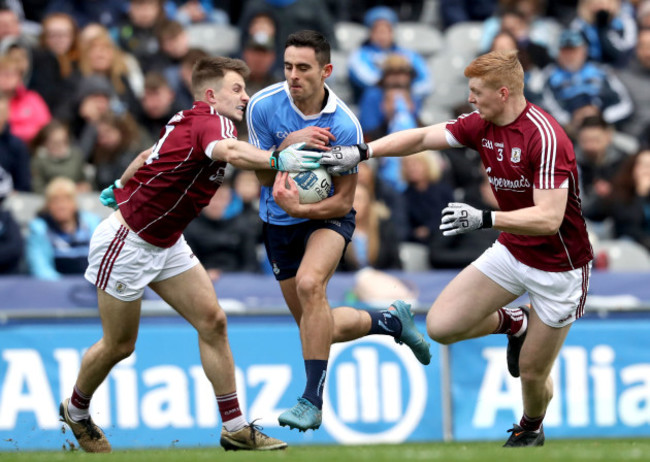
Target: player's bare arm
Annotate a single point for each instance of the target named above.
(404, 143)
(319, 138)
(244, 155)
(544, 218)
(285, 194)
(408, 142)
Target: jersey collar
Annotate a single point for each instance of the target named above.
(330, 106)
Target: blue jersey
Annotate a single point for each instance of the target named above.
(271, 116)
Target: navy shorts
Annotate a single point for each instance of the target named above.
(285, 245)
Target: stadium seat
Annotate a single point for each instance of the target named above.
(463, 38)
(218, 40)
(431, 113)
(623, 255)
(90, 203)
(339, 81)
(419, 37)
(350, 35)
(24, 207)
(450, 84)
(414, 257)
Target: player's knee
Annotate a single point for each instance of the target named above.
(214, 322)
(437, 330)
(308, 286)
(531, 370)
(121, 350)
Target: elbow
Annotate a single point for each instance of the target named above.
(226, 150)
(551, 227)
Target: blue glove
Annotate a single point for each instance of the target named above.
(294, 159)
(107, 197)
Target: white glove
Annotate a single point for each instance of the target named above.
(343, 158)
(294, 159)
(459, 218)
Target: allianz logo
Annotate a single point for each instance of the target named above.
(590, 389)
(376, 391)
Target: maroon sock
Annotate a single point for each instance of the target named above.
(79, 399)
(229, 406)
(510, 321)
(531, 424)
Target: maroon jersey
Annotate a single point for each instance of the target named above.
(531, 152)
(178, 179)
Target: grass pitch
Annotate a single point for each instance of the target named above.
(554, 450)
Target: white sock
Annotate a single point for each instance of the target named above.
(235, 424)
(523, 328)
(77, 414)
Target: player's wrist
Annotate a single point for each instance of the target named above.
(488, 219)
(365, 151)
(118, 183)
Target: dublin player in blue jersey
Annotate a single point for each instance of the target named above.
(304, 242)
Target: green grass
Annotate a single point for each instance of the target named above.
(555, 450)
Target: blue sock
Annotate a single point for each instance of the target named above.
(316, 370)
(384, 323)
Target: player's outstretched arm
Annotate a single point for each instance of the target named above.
(399, 144)
(246, 156)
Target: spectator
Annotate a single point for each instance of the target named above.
(247, 188)
(9, 24)
(105, 12)
(365, 64)
(425, 196)
(94, 99)
(643, 14)
(455, 252)
(184, 91)
(379, 108)
(56, 64)
(55, 156)
(259, 54)
(635, 77)
(189, 12)
(14, 156)
(158, 105)
(290, 16)
(136, 33)
(119, 141)
(524, 19)
(609, 29)
(374, 241)
(221, 238)
(174, 45)
(59, 236)
(573, 83)
(28, 113)
(631, 199)
(11, 239)
(455, 11)
(598, 161)
(385, 194)
(100, 57)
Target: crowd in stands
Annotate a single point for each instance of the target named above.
(87, 85)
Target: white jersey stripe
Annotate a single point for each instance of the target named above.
(543, 155)
(546, 142)
(553, 143)
(272, 90)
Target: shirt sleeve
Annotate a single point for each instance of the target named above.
(463, 130)
(209, 130)
(259, 133)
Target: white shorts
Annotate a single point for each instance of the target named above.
(123, 264)
(558, 298)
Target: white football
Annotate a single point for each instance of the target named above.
(313, 185)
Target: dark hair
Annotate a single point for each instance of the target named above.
(168, 29)
(192, 56)
(154, 80)
(213, 68)
(314, 40)
(594, 121)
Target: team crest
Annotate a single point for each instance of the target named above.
(515, 155)
(120, 287)
(276, 270)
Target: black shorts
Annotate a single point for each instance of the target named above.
(285, 245)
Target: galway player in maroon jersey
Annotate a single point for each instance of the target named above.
(543, 248)
(141, 244)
